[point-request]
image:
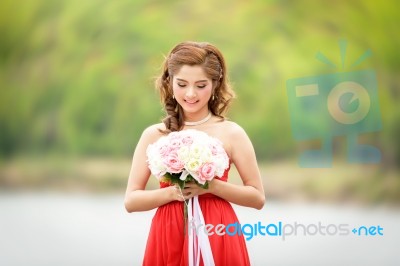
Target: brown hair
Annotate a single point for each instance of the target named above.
(213, 63)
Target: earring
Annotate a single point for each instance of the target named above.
(212, 98)
(173, 96)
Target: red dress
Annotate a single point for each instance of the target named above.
(167, 243)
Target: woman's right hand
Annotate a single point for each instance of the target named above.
(176, 193)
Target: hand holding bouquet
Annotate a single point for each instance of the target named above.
(187, 155)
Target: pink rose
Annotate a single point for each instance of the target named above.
(174, 165)
(175, 144)
(174, 135)
(163, 150)
(214, 149)
(187, 140)
(206, 172)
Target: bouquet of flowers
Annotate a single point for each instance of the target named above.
(187, 155)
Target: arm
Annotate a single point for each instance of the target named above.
(242, 154)
(136, 197)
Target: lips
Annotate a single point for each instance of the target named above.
(191, 101)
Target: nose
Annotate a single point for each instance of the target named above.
(190, 93)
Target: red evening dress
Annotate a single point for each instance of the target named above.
(167, 243)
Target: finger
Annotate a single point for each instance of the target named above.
(179, 193)
(190, 184)
(191, 193)
(187, 191)
(189, 196)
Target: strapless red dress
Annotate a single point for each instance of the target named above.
(167, 243)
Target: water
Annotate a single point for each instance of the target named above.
(79, 229)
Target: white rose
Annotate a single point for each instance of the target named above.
(183, 154)
(193, 165)
(157, 167)
(206, 155)
(196, 150)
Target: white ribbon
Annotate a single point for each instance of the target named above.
(197, 231)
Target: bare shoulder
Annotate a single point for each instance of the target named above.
(153, 133)
(233, 136)
(154, 129)
(233, 130)
(239, 146)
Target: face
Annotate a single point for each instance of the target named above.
(192, 90)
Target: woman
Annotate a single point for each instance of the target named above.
(195, 93)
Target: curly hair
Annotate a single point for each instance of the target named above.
(213, 63)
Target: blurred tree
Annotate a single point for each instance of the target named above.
(77, 77)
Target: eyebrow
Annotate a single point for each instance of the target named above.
(195, 82)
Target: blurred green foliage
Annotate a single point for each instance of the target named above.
(76, 77)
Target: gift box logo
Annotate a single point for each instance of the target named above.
(339, 104)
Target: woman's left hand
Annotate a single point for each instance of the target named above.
(192, 189)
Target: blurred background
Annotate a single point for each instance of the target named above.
(76, 92)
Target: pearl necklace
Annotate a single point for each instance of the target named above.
(196, 123)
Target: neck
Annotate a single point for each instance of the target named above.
(195, 122)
